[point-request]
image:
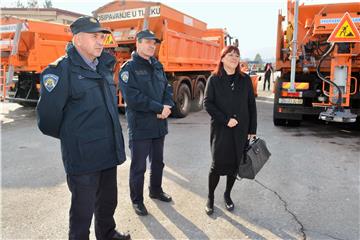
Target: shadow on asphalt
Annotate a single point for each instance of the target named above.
(190, 230)
(252, 234)
(193, 232)
(157, 230)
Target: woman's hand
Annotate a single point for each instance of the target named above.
(251, 136)
(232, 123)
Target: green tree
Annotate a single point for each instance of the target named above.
(48, 4)
(258, 58)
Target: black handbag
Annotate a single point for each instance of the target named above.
(255, 156)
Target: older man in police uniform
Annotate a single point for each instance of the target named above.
(148, 98)
(78, 106)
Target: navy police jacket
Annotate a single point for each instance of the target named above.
(145, 89)
(78, 105)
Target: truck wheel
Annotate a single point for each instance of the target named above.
(182, 102)
(279, 121)
(278, 118)
(199, 96)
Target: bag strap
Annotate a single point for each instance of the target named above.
(253, 140)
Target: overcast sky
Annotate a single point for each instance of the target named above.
(253, 22)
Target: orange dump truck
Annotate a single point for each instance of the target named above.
(27, 47)
(189, 50)
(326, 57)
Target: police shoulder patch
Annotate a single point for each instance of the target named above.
(50, 81)
(125, 76)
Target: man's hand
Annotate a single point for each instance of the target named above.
(232, 123)
(166, 112)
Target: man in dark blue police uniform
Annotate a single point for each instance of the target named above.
(148, 98)
(78, 106)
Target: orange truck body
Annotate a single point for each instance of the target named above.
(40, 43)
(189, 51)
(244, 67)
(316, 22)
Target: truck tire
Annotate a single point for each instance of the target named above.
(282, 119)
(182, 101)
(279, 121)
(199, 92)
(276, 120)
(289, 119)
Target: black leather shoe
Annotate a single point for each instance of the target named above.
(121, 236)
(229, 205)
(161, 196)
(140, 209)
(209, 208)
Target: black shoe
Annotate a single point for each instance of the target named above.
(209, 209)
(229, 205)
(121, 236)
(140, 209)
(161, 196)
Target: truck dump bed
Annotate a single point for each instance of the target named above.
(39, 43)
(187, 44)
(27, 47)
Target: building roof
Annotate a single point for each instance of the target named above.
(57, 10)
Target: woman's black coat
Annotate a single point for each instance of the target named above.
(222, 102)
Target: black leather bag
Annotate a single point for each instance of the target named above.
(255, 156)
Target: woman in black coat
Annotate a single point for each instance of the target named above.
(230, 101)
(268, 70)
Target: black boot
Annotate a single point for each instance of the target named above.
(229, 205)
(209, 209)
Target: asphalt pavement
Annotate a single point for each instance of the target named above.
(309, 189)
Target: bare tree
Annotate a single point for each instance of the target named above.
(19, 4)
(47, 4)
(32, 4)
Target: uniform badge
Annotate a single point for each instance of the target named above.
(93, 20)
(125, 76)
(50, 81)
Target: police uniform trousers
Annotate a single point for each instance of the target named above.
(140, 150)
(93, 193)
